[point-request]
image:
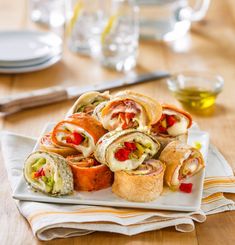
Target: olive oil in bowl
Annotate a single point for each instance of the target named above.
(196, 90)
(196, 98)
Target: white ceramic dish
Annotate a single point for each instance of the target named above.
(20, 64)
(16, 46)
(169, 200)
(43, 65)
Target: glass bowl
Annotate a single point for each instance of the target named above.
(196, 90)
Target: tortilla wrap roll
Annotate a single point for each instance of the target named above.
(125, 150)
(182, 161)
(49, 173)
(143, 184)
(46, 144)
(87, 102)
(80, 131)
(88, 174)
(173, 125)
(128, 109)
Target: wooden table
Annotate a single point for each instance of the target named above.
(210, 46)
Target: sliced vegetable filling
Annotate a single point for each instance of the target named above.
(73, 137)
(125, 112)
(166, 122)
(190, 165)
(42, 172)
(131, 150)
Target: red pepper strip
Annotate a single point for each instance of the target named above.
(186, 114)
(129, 115)
(122, 116)
(124, 125)
(39, 173)
(162, 129)
(171, 120)
(126, 117)
(69, 140)
(122, 154)
(130, 146)
(77, 139)
(186, 187)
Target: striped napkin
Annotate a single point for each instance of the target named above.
(50, 221)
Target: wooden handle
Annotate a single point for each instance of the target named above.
(12, 104)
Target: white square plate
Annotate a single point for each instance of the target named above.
(169, 200)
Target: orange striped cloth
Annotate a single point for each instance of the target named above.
(219, 179)
(50, 221)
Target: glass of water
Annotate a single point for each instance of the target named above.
(120, 36)
(47, 12)
(85, 22)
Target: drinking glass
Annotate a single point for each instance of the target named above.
(119, 39)
(47, 12)
(85, 21)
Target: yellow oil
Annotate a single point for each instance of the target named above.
(196, 98)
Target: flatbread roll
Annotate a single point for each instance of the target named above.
(46, 144)
(182, 161)
(125, 150)
(49, 173)
(87, 102)
(88, 174)
(143, 184)
(80, 131)
(128, 110)
(173, 125)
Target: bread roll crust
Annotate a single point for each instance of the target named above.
(138, 188)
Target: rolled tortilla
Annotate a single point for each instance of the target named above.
(173, 125)
(80, 131)
(46, 144)
(125, 150)
(182, 161)
(130, 110)
(49, 173)
(87, 102)
(143, 184)
(88, 174)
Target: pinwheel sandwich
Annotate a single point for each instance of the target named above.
(125, 150)
(87, 102)
(128, 109)
(173, 125)
(49, 173)
(182, 161)
(143, 184)
(88, 174)
(80, 131)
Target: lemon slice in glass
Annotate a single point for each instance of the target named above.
(76, 13)
(108, 27)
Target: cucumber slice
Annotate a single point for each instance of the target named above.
(38, 164)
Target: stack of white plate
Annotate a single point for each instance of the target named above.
(27, 51)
